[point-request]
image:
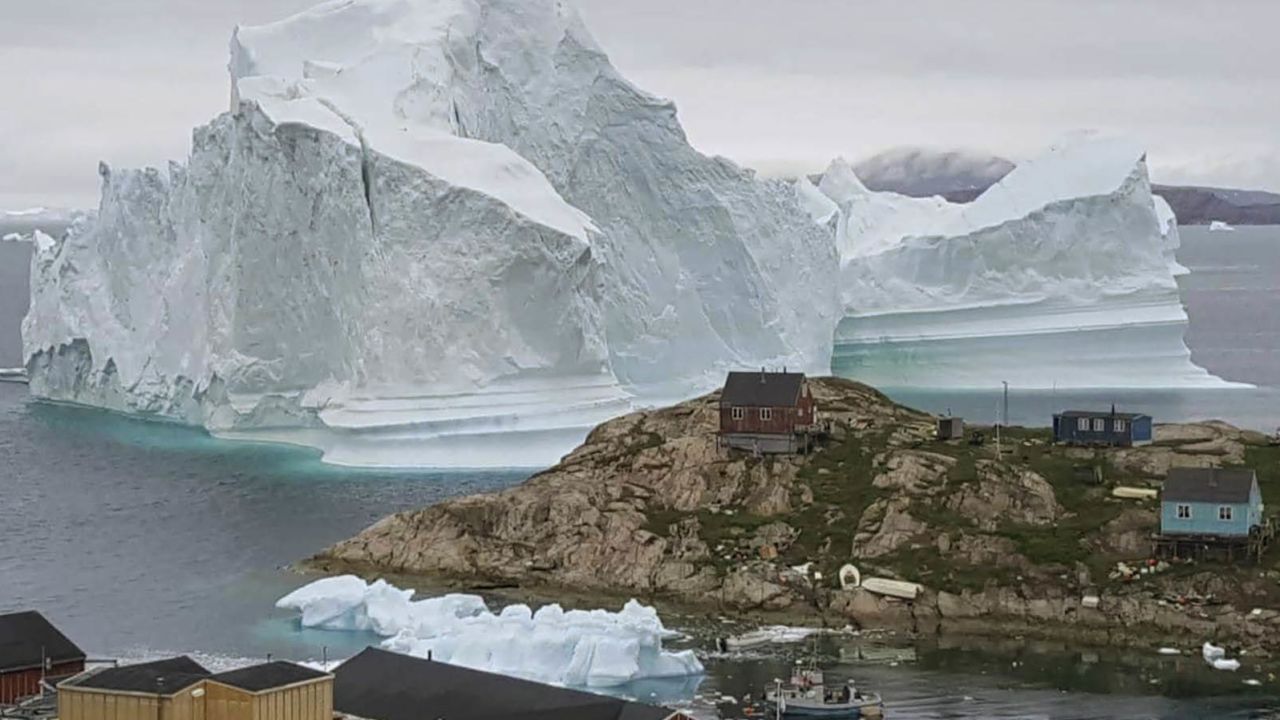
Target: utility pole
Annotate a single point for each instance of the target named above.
(998, 423)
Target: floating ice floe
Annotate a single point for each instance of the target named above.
(1220, 226)
(595, 648)
(1217, 658)
(768, 635)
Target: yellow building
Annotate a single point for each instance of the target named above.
(180, 689)
(272, 691)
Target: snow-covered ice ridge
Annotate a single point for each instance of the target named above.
(427, 232)
(595, 648)
(1060, 275)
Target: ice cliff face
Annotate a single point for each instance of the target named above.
(1062, 274)
(422, 226)
(699, 258)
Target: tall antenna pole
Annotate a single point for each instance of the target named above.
(1005, 417)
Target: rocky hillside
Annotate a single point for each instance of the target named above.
(649, 505)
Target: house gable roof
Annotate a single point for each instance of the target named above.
(1209, 485)
(381, 685)
(27, 639)
(161, 677)
(266, 676)
(762, 389)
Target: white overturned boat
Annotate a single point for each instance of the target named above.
(15, 375)
(808, 695)
(892, 588)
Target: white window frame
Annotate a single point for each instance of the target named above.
(1226, 513)
(1099, 425)
(738, 413)
(766, 413)
(1120, 425)
(1183, 512)
(1082, 424)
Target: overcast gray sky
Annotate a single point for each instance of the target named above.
(781, 85)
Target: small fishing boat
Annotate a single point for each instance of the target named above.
(808, 695)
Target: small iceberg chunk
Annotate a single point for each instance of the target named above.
(577, 648)
(1220, 226)
(1217, 657)
(772, 634)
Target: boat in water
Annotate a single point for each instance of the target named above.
(808, 695)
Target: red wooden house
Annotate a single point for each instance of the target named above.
(767, 412)
(31, 650)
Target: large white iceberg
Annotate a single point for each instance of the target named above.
(595, 648)
(428, 232)
(449, 233)
(1060, 275)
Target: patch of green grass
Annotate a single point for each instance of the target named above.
(940, 518)
(659, 520)
(927, 565)
(1048, 545)
(964, 471)
(840, 479)
(1265, 460)
(644, 442)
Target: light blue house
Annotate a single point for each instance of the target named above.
(1210, 502)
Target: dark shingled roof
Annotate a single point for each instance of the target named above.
(1209, 485)
(164, 677)
(1100, 413)
(381, 685)
(26, 638)
(762, 389)
(267, 675)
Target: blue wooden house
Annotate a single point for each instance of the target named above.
(1211, 502)
(1106, 427)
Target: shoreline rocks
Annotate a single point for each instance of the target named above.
(650, 506)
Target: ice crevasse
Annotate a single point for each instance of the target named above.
(427, 232)
(583, 648)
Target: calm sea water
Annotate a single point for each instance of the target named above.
(1232, 297)
(141, 539)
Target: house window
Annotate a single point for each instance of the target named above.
(1184, 512)
(1120, 426)
(1099, 425)
(738, 413)
(766, 413)
(1224, 512)
(1082, 424)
